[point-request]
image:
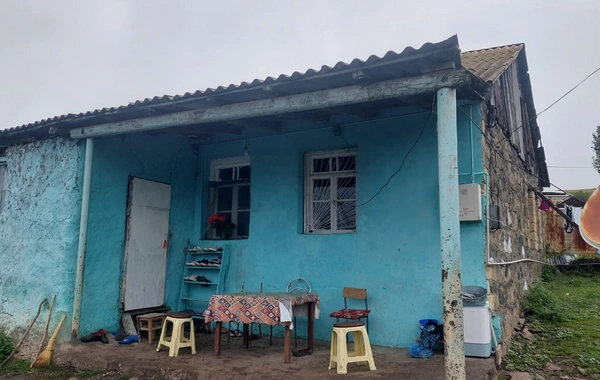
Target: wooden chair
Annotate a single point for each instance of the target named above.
(353, 314)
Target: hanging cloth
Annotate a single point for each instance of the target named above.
(567, 224)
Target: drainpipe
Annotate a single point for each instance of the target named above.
(83, 228)
(450, 234)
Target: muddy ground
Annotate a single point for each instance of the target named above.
(261, 361)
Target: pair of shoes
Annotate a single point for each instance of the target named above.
(214, 263)
(99, 335)
(119, 335)
(301, 353)
(235, 333)
(130, 339)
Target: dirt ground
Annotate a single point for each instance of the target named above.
(259, 361)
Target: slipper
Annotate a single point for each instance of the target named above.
(302, 352)
(130, 339)
(235, 333)
(93, 337)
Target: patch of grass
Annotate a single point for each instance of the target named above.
(6, 345)
(86, 374)
(564, 316)
(15, 365)
(544, 305)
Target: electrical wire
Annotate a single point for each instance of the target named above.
(508, 160)
(569, 167)
(550, 106)
(401, 164)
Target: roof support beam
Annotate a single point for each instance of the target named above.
(403, 87)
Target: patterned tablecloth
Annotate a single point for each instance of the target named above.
(265, 308)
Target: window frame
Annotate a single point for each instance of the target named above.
(309, 175)
(215, 183)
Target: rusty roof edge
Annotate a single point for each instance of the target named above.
(533, 125)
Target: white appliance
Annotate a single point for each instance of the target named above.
(478, 331)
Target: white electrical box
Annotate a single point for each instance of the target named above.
(469, 202)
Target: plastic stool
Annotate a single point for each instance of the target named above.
(177, 339)
(339, 351)
(150, 323)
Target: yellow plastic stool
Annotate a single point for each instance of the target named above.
(177, 339)
(339, 351)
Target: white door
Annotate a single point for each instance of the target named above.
(146, 244)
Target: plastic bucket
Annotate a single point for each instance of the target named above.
(424, 322)
(474, 295)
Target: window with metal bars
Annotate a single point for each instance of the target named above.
(330, 191)
(230, 194)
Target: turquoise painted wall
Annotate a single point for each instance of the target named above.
(395, 253)
(38, 234)
(164, 158)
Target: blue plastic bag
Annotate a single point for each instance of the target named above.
(418, 351)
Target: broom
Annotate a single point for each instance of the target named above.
(45, 329)
(43, 359)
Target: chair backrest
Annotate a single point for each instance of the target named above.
(355, 293)
(298, 285)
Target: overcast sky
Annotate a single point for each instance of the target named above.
(60, 57)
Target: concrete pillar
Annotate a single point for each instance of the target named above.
(450, 234)
(83, 228)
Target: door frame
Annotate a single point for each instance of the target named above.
(130, 179)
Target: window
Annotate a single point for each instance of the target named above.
(3, 182)
(330, 191)
(230, 193)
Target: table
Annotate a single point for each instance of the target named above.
(264, 308)
(153, 322)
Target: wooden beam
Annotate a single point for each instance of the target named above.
(271, 126)
(55, 131)
(324, 99)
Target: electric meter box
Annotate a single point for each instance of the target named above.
(469, 202)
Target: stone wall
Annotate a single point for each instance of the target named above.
(520, 237)
(38, 233)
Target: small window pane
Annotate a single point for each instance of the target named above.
(228, 216)
(346, 215)
(244, 198)
(347, 163)
(321, 165)
(243, 225)
(244, 172)
(224, 198)
(346, 188)
(226, 174)
(321, 189)
(321, 216)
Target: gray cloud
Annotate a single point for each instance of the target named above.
(72, 56)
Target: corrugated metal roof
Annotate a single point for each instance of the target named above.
(489, 64)
(392, 65)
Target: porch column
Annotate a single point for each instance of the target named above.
(83, 228)
(450, 234)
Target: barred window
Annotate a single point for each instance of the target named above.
(330, 191)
